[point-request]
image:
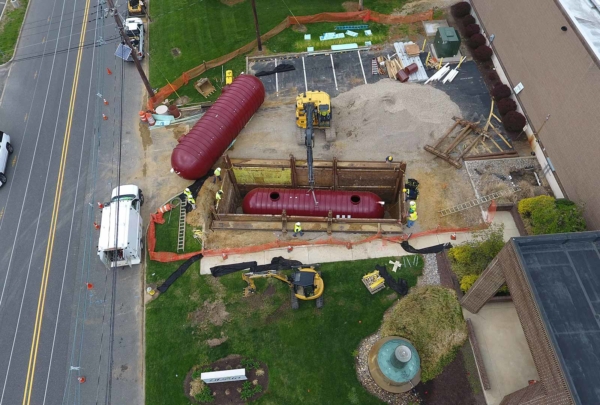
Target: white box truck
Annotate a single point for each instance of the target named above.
(121, 243)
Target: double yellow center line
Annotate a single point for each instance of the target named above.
(49, 248)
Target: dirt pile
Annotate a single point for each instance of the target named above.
(397, 118)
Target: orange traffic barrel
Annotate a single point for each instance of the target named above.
(143, 116)
(174, 111)
(165, 208)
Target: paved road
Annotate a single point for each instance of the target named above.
(54, 328)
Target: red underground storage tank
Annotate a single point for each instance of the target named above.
(295, 202)
(198, 151)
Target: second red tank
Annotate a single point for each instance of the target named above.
(297, 202)
(198, 151)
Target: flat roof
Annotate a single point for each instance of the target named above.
(563, 271)
(585, 14)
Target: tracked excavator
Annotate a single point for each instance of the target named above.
(305, 284)
(313, 111)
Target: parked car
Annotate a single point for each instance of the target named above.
(5, 150)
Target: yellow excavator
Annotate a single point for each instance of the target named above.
(313, 111)
(136, 7)
(305, 284)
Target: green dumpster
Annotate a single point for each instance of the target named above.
(447, 42)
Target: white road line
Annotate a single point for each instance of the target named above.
(276, 79)
(23, 206)
(74, 205)
(361, 66)
(333, 68)
(304, 70)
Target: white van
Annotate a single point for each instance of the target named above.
(121, 244)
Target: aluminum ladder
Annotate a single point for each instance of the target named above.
(351, 27)
(181, 231)
(478, 201)
(374, 67)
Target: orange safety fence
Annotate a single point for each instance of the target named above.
(165, 257)
(365, 15)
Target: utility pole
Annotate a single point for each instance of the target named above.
(125, 38)
(258, 41)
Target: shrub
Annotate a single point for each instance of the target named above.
(250, 364)
(483, 53)
(506, 105)
(472, 29)
(205, 395)
(247, 390)
(544, 215)
(514, 121)
(472, 257)
(468, 20)
(501, 91)
(476, 41)
(493, 76)
(461, 9)
(467, 282)
(431, 318)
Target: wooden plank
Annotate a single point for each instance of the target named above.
(500, 135)
(498, 155)
(308, 226)
(468, 148)
(485, 146)
(452, 128)
(461, 135)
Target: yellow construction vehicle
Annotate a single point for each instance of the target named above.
(136, 7)
(305, 284)
(374, 282)
(314, 107)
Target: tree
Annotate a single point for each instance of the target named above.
(476, 41)
(472, 29)
(461, 9)
(483, 53)
(514, 121)
(506, 105)
(501, 91)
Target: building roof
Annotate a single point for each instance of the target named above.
(563, 271)
(585, 15)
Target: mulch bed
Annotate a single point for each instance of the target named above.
(451, 387)
(220, 389)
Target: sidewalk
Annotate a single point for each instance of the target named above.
(336, 253)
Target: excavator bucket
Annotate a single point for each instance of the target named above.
(204, 87)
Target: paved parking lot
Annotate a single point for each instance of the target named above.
(332, 71)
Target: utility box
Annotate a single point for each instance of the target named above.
(447, 42)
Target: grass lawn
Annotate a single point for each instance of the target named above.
(204, 30)
(9, 30)
(310, 353)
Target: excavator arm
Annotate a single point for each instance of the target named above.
(249, 278)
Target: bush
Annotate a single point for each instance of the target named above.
(472, 29)
(493, 76)
(472, 257)
(483, 53)
(460, 10)
(431, 318)
(467, 282)
(501, 91)
(514, 121)
(250, 364)
(545, 215)
(468, 20)
(506, 105)
(205, 395)
(476, 41)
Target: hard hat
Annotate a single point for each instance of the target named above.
(220, 192)
(390, 158)
(412, 203)
(188, 190)
(298, 223)
(172, 170)
(218, 168)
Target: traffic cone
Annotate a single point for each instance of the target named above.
(105, 102)
(81, 379)
(289, 249)
(108, 71)
(90, 286)
(104, 117)
(224, 256)
(143, 116)
(100, 205)
(453, 236)
(96, 225)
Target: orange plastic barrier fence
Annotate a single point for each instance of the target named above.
(165, 257)
(365, 15)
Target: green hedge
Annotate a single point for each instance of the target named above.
(545, 215)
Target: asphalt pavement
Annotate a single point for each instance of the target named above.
(63, 315)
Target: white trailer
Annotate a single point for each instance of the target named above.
(121, 233)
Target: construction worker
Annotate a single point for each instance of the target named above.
(298, 229)
(219, 196)
(217, 174)
(412, 218)
(190, 198)
(412, 207)
(411, 193)
(389, 159)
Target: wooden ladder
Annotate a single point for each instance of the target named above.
(374, 67)
(478, 201)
